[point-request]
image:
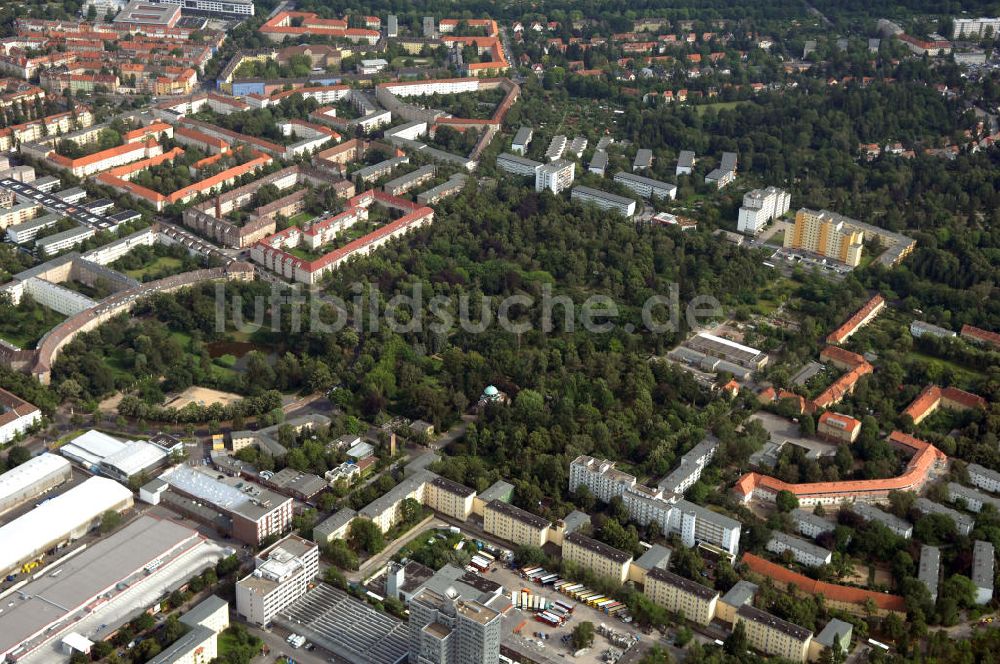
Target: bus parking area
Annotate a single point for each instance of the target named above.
(547, 618)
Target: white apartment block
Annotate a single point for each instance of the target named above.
(600, 477)
(984, 478)
(803, 552)
(53, 244)
(18, 214)
(868, 512)
(759, 207)
(963, 522)
(554, 176)
(556, 147)
(511, 163)
(604, 200)
(809, 524)
(693, 523)
(282, 575)
(646, 187)
(239, 8)
(983, 570)
(677, 594)
(973, 500)
(690, 468)
(973, 28)
(929, 571)
(521, 141)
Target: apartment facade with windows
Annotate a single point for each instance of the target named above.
(515, 525)
(451, 498)
(677, 594)
(596, 556)
(773, 636)
(827, 234)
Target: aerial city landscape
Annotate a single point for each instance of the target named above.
(492, 332)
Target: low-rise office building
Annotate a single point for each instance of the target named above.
(515, 525)
(596, 556)
(803, 552)
(773, 636)
(256, 513)
(281, 575)
(677, 594)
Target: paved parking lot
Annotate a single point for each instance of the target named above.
(784, 430)
(552, 647)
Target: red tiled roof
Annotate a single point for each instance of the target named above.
(841, 355)
(924, 457)
(841, 387)
(831, 591)
(118, 150)
(839, 421)
(979, 334)
(855, 321)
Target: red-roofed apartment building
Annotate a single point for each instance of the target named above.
(862, 317)
(925, 458)
(838, 428)
(933, 397)
(294, 24)
(16, 415)
(980, 336)
(845, 598)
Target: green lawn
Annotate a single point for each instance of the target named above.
(701, 109)
(23, 325)
(300, 218)
(964, 375)
(161, 267)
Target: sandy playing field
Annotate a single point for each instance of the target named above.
(202, 396)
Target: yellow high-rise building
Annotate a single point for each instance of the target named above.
(827, 234)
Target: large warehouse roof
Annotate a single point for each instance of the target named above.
(95, 449)
(134, 458)
(56, 518)
(83, 578)
(91, 447)
(30, 472)
(250, 501)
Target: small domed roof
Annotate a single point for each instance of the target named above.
(491, 391)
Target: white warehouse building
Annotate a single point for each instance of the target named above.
(31, 479)
(99, 452)
(65, 517)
